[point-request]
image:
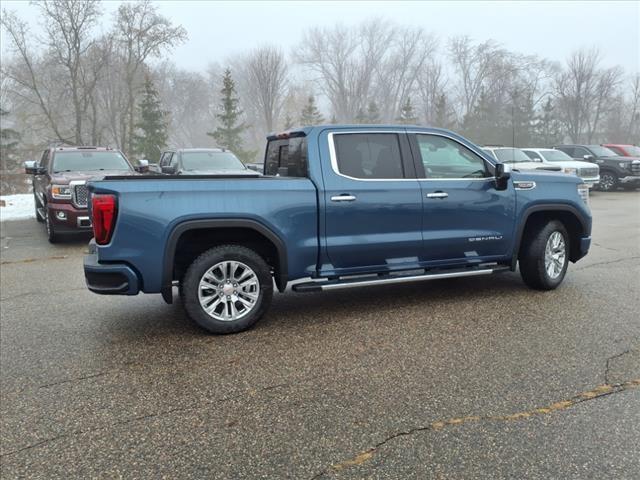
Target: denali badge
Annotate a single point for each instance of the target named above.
(482, 239)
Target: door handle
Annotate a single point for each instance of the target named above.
(437, 195)
(345, 197)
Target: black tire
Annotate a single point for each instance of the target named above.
(191, 281)
(532, 256)
(52, 235)
(36, 202)
(630, 187)
(609, 181)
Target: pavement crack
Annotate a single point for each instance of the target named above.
(32, 260)
(608, 364)
(596, 393)
(52, 292)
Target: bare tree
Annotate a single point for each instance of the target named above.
(431, 88)
(344, 61)
(583, 91)
(262, 79)
(25, 72)
(68, 25)
(140, 34)
(475, 64)
(398, 73)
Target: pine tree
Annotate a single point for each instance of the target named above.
(442, 112)
(9, 161)
(373, 113)
(310, 113)
(407, 114)
(547, 128)
(151, 135)
(229, 133)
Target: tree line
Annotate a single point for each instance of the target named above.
(73, 84)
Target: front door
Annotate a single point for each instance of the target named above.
(373, 204)
(465, 220)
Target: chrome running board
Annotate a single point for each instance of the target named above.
(393, 278)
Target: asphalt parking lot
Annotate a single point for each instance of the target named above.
(466, 378)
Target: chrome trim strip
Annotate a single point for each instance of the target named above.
(334, 160)
(524, 185)
(412, 278)
(343, 198)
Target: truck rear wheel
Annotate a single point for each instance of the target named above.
(544, 256)
(227, 289)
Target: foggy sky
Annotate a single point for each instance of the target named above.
(551, 30)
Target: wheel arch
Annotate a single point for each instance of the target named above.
(571, 218)
(212, 232)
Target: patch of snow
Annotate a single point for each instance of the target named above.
(17, 207)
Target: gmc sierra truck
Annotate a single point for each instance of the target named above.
(337, 207)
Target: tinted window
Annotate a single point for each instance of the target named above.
(555, 156)
(445, 158)
(286, 157)
(511, 155)
(579, 152)
(211, 161)
(567, 150)
(369, 155)
(164, 160)
(601, 151)
(532, 155)
(89, 161)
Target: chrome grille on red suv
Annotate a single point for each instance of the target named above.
(79, 195)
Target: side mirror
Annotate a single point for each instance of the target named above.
(169, 169)
(31, 167)
(143, 166)
(502, 175)
(588, 158)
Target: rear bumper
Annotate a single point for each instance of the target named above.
(109, 278)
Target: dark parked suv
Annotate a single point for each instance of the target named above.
(615, 170)
(202, 161)
(59, 184)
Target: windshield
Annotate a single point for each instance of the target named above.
(88, 161)
(599, 151)
(632, 150)
(211, 161)
(555, 156)
(511, 155)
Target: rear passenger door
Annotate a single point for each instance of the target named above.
(373, 206)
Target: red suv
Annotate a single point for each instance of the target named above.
(623, 150)
(59, 184)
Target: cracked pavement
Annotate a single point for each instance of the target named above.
(462, 378)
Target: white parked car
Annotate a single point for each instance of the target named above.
(518, 160)
(589, 172)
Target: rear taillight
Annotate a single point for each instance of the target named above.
(104, 209)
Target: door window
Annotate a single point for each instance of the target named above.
(44, 161)
(443, 157)
(368, 156)
(533, 155)
(579, 152)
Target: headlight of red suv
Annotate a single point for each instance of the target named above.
(61, 191)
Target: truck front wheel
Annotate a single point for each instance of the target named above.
(227, 289)
(544, 256)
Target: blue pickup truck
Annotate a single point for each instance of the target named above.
(337, 207)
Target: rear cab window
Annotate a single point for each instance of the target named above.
(287, 157)
(368, 156)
